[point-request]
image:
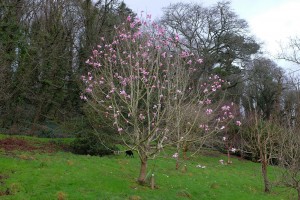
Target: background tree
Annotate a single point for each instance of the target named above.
(42, 50)
(214, 33)
(290, 108)
(263, 88)
(289, 156)
(11, 36)
(291, 51)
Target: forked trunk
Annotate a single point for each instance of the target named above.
(264, 166)
(143, 171)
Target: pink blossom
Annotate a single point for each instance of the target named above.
(95, 53)
(120, 129)
(184, 54)
(122, 92)
(88, 90)
(175, 155)
(129, 18)
(176, 37)
(161, 30)
(83, 97)
(97, 65)
(208, 111)
(238, 123)
(132, 25)
(225, 108)
(87, 61)
(216, 76)
(208, 101)
(204, 126)
(199, 60)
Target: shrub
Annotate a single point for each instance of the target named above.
(91, 143)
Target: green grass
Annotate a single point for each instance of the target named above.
(48, 176)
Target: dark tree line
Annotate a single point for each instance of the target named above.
(43, 48)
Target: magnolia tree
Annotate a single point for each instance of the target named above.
(141, 80)
(231, 136)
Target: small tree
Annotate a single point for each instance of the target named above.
(262, 138)
(137, 80)
(289, 153)
(289, 159)
(197, 116)
(231, 139)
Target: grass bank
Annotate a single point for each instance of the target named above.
(62, 175)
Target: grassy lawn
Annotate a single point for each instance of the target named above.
(63, 175)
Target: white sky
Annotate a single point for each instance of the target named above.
(270, 21)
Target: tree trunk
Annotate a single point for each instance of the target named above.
(298, 190)
(177, 163)
(143, 170)
(264, 166)
(177, 158)
(228, 157)
(184, 150)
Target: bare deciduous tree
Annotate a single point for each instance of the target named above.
(261, 138)
(289, 158)
(291, 51)
(214, 33)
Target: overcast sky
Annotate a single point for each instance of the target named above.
(270, 21)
